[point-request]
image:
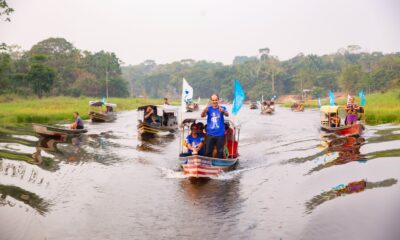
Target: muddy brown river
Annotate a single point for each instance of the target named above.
(290, 183)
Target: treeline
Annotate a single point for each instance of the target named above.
(55, 67)
(349, 69)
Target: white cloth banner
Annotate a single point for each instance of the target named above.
(187, 92)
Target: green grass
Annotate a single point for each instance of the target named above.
(380, 108)
(50, 110)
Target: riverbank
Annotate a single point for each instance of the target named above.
(18, 110)
(380, 108)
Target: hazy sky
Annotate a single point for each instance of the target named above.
(215, 30)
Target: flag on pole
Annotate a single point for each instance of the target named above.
(348, 99)
(319, 101)
(187, 92)
(331, 98)
(238, 97)
(362, 97)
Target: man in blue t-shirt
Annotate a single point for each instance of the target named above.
(215, 126)
(194, 142)
(78, 123)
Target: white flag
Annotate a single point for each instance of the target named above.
(187, 92)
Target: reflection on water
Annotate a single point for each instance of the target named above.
(154, 143)
(113, 184)
(29, 198)
(347, 150)
(342, 190)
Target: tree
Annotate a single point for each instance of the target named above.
(5, 10)
(5, 71)
(350, 79)
(40, 76)
(61, 56)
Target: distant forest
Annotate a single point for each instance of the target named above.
(55, 67)
(349, 69)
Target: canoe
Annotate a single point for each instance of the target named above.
(45, 130)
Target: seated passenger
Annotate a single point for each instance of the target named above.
(195, 142)
(149, 116)
(334, 120)
(108, 109)
(78, 123)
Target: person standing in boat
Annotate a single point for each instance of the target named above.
(215, 127)
(351, 110)
(166, 103)
(78, 124)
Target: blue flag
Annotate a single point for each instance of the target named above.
(238, 98)
(319, 102)
(331, 98)
(362, 97)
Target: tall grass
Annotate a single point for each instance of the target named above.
(57, 109)
(379, 108)
(383, 108)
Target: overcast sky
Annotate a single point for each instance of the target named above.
(214, 30)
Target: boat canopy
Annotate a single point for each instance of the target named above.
(160, 109)
(329, 109)
(100, 103)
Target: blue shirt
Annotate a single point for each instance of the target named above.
(215, 121)
(195, 142)
(79, 123)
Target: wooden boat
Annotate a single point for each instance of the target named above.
(253, 105)
(297, 107)
(192, 107)
(196, 166)
(331, 122)
(165, 120)
(267, 107)
(58, 132)
(98, 114)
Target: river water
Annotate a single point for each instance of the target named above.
(288, 184)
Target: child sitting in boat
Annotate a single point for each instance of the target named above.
(351, 110)
(194, 142)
